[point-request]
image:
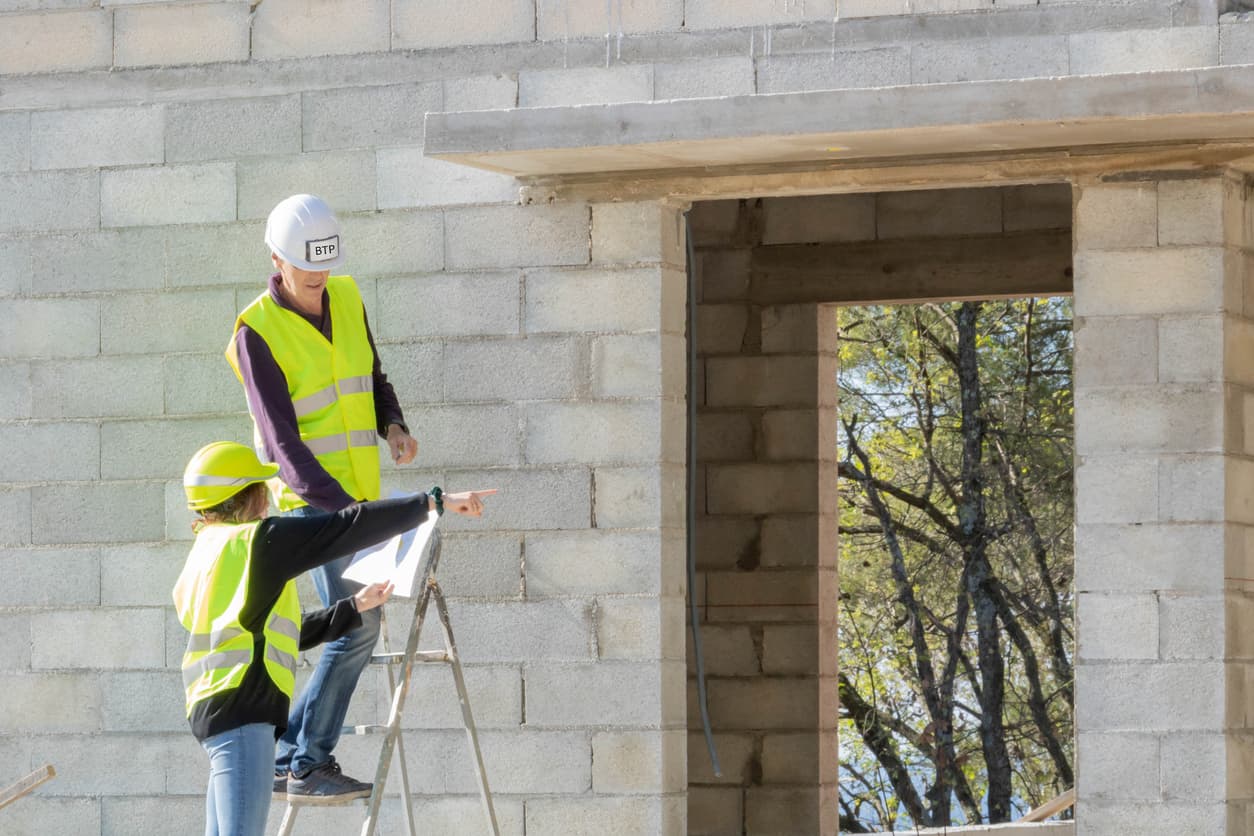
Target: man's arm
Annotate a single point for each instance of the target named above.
(271, 406)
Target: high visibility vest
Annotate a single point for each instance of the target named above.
(331, 386)
(209, 596)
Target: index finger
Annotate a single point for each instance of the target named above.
(484, 492)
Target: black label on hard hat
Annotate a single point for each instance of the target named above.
(324, 249)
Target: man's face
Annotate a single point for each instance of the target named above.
(303, 288)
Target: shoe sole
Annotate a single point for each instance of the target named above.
(327, 800)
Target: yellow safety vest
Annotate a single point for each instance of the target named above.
(209, 596)
(331, 386)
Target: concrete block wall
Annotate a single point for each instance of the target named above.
(1162, 497)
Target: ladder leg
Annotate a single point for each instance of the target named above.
(289, 820)
(468, 719)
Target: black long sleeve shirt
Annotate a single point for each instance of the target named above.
(283, 548)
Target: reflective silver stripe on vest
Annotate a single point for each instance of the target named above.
(284, 627)
(204, 642)
(221, 659)
(338, 443)
(318, 400)
(204, 480)
(357, 385)
(287, 660)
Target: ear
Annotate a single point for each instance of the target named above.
(278, 262)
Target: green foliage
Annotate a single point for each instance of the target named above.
(901, 397)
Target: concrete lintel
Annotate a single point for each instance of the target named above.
(854, 126)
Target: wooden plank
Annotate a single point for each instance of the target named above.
(26, 785)
(914, 270)
(1051, 808)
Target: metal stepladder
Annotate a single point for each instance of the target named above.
(399, 685)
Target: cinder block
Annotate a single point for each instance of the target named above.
(1236, 42)
(818, 219)
(640, 629)
(725, 436)
(1191, 488)
(1117, 627)
(160, 449)
(1143, 50)
(357, 117)
(83, 38)
(88, 764)
(781, 595)
(726, 650)
(586, 563)
(1117, 350)
(99, 386)
(1191, 626)
(50, 328)
(723, 328)
(151, 814)
(761, 704)
(408, 178)
(1123, 766)
(15, 391)
(734, 14)
(15, 266)
(1116, 489)
(523, 236)
(585, 86)
(129, 259)
(344, 179)
(513, 370)
(873, 8)
(299, 28)
(383, 243)
(1145, 419)
(853, 68)
(1148, 697)
(96, 137)
(15, 510)
(31, 817)
(1238, 346)
(483, 92)
(1036, 207)
(603, 694)
(639, 762)
(50, 577)
(639, 497)
(482, 566)
(1137, 558)
(140, 575)
(790, 758)
(597, 433)
(715, 810)
(200, 384)
(1192, 765)
(567, 493)
(778, 380)
(43, 703)
(14, 141)
(121, 638)
(1191, 212)
(218, 254)
(783, 809)
(723, 275)
(1142, 817)
(628, 233)
(1238, 494)
(999, 58)
(1116, 216)
(88, 513)
(714, 222)
(450, 814)
(168, 195)
(470, 304)
(735, 756)
(143, 701)
(49, 452)
(427, 24)
(938, 212)
(139, 323)
(415, 370)
(791, 540)
(45, 201)
(556, 20)
(232, 128)
(794, 649)
(792, 434)
(596, 300)
(516, 632)
(169, 35)
(761, 488)
(936, 6)
(707, 78)
(467, 436)
(1150, 281)
(495, 693)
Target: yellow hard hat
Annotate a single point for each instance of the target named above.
(220, 470)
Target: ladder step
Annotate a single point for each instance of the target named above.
(420, 656)
(368, 728)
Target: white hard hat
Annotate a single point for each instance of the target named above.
(303, 231)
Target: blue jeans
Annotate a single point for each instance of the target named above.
(240, 780)
(317, 715)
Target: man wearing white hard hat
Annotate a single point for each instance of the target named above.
(319, 401)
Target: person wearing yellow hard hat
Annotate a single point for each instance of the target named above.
(237, 599)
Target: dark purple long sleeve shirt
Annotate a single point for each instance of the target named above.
(270, 403)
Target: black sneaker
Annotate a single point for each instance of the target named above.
(325, 784)
(280, 787)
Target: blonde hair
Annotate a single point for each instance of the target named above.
(246, 506)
